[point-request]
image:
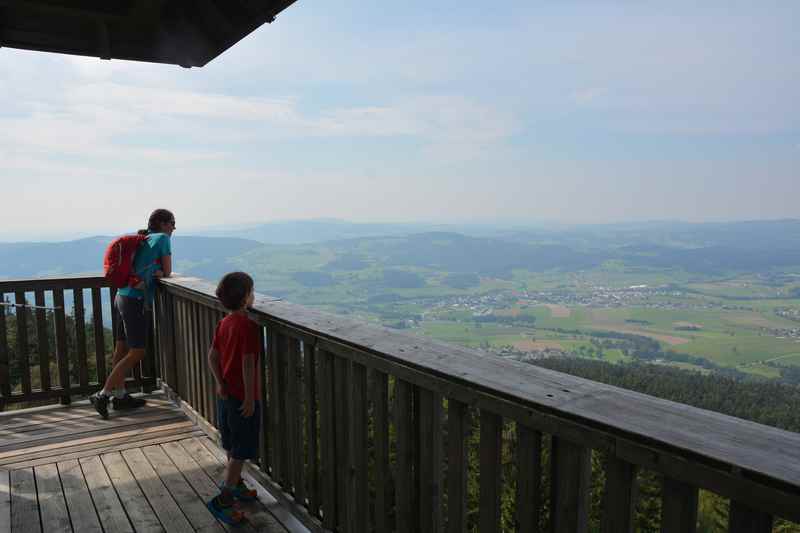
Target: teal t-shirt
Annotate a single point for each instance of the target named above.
(147, 262)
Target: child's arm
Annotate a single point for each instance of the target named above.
(213, 364)
(248, 375)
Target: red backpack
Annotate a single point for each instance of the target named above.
(118, 260)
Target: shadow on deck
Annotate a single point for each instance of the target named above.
(63, 469)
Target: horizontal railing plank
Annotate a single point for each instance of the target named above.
(48, 284)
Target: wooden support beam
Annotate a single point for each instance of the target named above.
(23, 357)
(312, 450)
(744, 519)
(679, 507)
(430, 461)
(404, 420)
(5, 377)
(570, 481)
(62, 355)
(79, 314)
(490, 471)
(343, 391)
(529, 479)
(379, 395)
(619, 503)
(358, 506)
(99, 336)
(327, 416)
(458, 430)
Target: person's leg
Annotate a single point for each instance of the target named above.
(116, 379)
(233, 473)
(222, 505)
(120, 351)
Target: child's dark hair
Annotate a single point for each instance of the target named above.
(233, 288)
(157, 218)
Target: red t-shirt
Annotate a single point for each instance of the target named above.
(237, 336)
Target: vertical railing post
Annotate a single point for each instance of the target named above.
(458, 429)
(328, 419)
(23, 362)
(5, 374)
(490, 471)
(620, 497)
(99, 336)
(61, 346)
(42, 341)
(430, 461)
(529, 478)
(79, 319)
(572, 468)
(679, 507)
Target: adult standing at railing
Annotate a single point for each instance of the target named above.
(153, 260)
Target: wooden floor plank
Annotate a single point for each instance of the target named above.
(79, 502)
(187, 499)
(9, 456)
(64, 435)
(200, 481)
(106, 502)
(274, 518)
(5, 501)
(139, 511)
(164, 506)
(68, 419)
(39, 432)
(24, 506)
(52, 505)
(111, 446)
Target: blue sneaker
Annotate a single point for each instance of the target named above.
(226, 513)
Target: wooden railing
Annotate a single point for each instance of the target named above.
(367, 428)
(58, 354)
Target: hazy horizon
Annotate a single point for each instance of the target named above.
(508, 224)
(549, 113)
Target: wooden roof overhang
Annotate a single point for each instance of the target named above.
(189, 33)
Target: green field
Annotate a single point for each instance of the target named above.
(730, 320)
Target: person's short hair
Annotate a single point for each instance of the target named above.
(233, 288)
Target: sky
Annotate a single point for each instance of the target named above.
(448, 111)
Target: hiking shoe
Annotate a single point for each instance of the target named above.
(243, 493)
(100, 404)
(226, 513)
(127, 402)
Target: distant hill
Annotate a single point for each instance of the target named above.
(315, 231)
(37, 259)
(332, 247)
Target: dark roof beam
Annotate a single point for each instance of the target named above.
(103, 40)
(214, 21)
(187, 43)
(60, 9)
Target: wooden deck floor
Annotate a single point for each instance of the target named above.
(66, 470)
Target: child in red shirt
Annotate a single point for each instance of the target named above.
(233, 358)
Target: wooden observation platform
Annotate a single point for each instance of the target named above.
(364, 428)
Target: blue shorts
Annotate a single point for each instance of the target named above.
(239, 434)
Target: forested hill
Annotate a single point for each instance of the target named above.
(766, 402)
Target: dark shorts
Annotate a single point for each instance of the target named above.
(133, 326)
(239, 434)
